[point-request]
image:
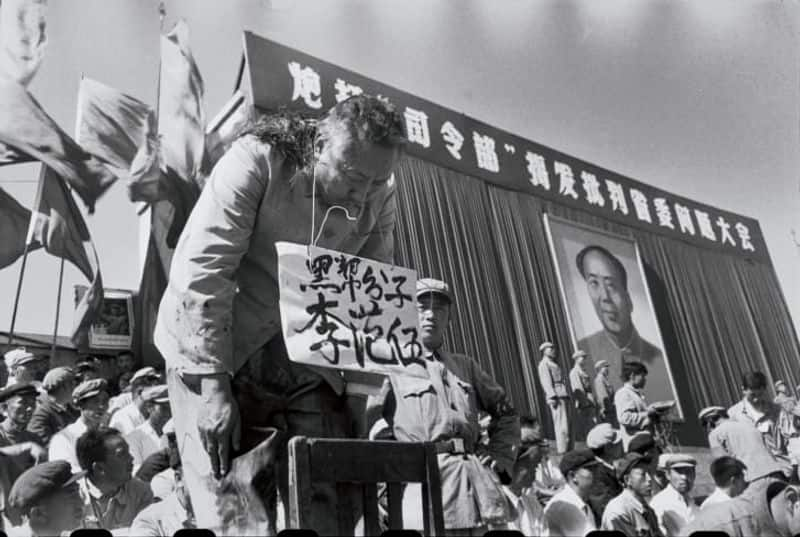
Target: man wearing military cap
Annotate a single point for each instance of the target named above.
(629, 512)
(148, 437)
(54, 410)
(568, 513)
(25, 366)
(604, 393)
(46, 501)
(444, 409)
(91, 398)
(19, 449)
(584, 407)
(674, 505)
(552, 380)
(130, 416)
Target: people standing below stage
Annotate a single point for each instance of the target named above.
(604, 394)
(219, 326)
(548, 477)
(756, 409)
(633, 413)
(629, 512)
(583, 397)
(728, 474)
(111, 496)
(567, 513)
(25, 366)
(91, 398)
(444, 409)
(789, 427)
(605, 443)
(130, 416)
(674, 505)
(45, 501)
(739, 439)
(552, 380)
(148, 437)
(54, 410)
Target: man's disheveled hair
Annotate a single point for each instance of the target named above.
(91, 446)
(287, 131)
(632, 368)
(611, 257)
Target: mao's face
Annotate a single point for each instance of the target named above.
(610, 298)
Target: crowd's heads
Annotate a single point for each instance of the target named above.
(434, 299)
(709, 417)
(104, 454)
(91, 397)
(59, 383)
(754, 388)
(157, 400)
(358, 144)
(602, 367)
(607, 282)
(634, 472)
(547, 349)
(579, 357)
(25, 366)
(728, 474)
(605, 441)
(576, 466)
(18, 402)
(125, 362)
(85, 370)
(47, 496)
(635, 373)
(681, 472)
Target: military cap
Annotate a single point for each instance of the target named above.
(575, 460)
(38, 483)
(145, 373)
(600, 364)
(578, 354)
(602, 434)
(19, 356)
(641, 442)
(679, 460)
(432, 285)
(56, 377)
(627, 463)
(89, 388)
(156, 394)
(710, 411)
(779, 383)
(545, 345)
(23, 388)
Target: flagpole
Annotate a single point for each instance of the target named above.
(16, 298)
(58, 309)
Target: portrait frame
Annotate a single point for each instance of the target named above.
(114, 328)
(564, 238)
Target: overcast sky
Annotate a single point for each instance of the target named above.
(701, 98)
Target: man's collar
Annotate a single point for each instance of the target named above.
(97, 494)
(641, 505)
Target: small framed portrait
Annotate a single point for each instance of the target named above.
(114, 327)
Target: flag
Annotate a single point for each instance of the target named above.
(122, 131)
(88, 306)
(27, 128)
(57, 224)
(14, 221)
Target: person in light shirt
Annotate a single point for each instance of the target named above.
(148, 437)
(91, 397)
(629, 512)
(758, 410)
(728, 475)
(567, 513)
(130, 416)
(674, 505)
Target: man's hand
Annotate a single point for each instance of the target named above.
(219, 422)
(553, 402)
(36, 451)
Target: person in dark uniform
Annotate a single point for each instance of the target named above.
(54, 410)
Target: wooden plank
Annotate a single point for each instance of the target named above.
(394, 494)
(299, 482)
(366, 462)
(370, 496)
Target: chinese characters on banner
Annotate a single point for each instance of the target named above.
(347, 312)
(436, 134)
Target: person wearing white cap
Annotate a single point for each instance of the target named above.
(551, 378)
(674, 506)
(91, 398)
(444, 409)
(584, 403)
(148, 437)
(25, 366)
(134, 414)
(606, 444)
(604, 393)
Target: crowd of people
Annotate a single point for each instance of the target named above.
(94, 445)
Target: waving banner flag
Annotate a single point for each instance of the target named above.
(26, 127)
(58, 226)
(14, 221)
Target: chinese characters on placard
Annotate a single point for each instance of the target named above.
(578, 185)
(347, 312)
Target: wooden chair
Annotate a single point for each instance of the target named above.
(365, 463)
